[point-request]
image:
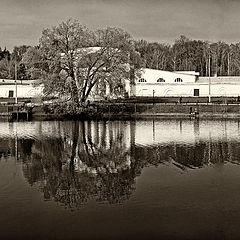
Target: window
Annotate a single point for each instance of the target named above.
(196, 92)
(160, 80)
(178, 80)
(10, 94)
(142, 80)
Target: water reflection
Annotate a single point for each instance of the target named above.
(74, 162)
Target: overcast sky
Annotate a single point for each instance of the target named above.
(22, 21)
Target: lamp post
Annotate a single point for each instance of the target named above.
(153, 102)
(153, 96)
(209, 75)
(16, 98)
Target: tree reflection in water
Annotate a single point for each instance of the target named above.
(101, 160)
(74, 169)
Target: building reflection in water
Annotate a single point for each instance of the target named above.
(74, 162)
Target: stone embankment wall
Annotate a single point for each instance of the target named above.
(174, 110)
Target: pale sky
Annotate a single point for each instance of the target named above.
(22, 21)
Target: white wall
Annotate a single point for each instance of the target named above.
(220, 86)
(186, 90)
(24, 91)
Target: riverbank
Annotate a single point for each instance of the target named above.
(129, 111)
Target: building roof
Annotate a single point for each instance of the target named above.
(19, 82)
(153, 75)
(220, 80)
(188, 73)
(157, 71)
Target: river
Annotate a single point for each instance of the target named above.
(152, 179)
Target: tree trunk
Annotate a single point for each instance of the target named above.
(228, 64)
(74, 92)
(74, 145)
(85, 95)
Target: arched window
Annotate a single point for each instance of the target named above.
(178, 80)
(161, 80)
(142, 80)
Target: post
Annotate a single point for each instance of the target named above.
(228, 64)
(153, 96)
(209, 75)
(153, 101)
(16, 99)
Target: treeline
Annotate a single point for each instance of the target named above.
(192, 55)
(184, 54)
(10, 60)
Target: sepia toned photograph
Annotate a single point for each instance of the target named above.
(119, 120)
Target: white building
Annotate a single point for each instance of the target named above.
(185, 83)
(23, 89)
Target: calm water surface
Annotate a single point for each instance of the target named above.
(162, 179)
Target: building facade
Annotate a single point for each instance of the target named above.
(184, 84)
(23, 89)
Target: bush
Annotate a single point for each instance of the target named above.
(69, 109)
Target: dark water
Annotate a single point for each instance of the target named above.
(120, 180)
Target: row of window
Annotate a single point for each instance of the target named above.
(142, 80)
(160, 80)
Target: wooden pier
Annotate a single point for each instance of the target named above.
(16, 113)
(20, 115)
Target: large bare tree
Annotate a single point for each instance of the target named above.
(80, 60)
